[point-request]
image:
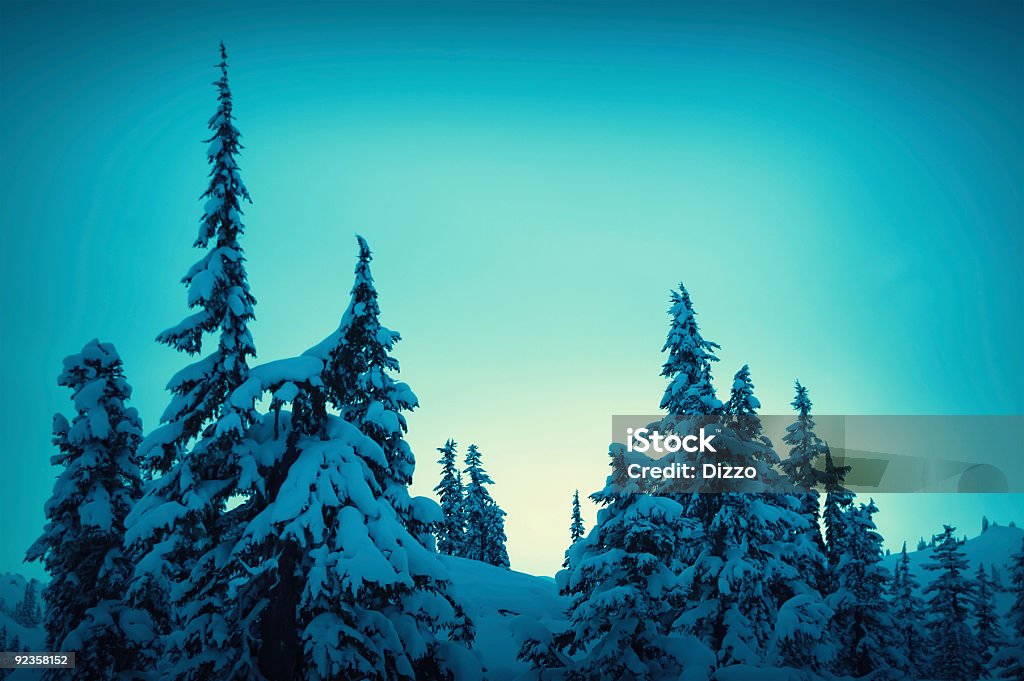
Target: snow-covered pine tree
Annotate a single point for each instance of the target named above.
(986, 620)
(863, 623)
(485, 521)
(805, 449)
(81, 545)
(360, 385)
(328, 583)
(624, 589)
(451, 531)
(576, 529)
(27, 612)
(956, 655)
(218, 289)
(178, 531)
(1008, 662)
(908, 616)
(688, 367)
(747, 571)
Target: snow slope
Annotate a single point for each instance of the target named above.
(495, 598)
(12, 590)
(995, 546)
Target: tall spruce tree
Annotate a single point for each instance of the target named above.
(81, 545)
(452, 530)
(863, 624)
(485, 521)
(908, 614)
(178, 531)
(951, 593)
(1008, 662)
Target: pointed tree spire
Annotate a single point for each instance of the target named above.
(218, 291)
(576, 529)
(360, 384)
(742, 401)
(688, 366)
(805, 448)
(451, 532)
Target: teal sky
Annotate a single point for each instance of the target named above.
(838, 185)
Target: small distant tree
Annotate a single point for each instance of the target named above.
(485, 521)
(576, 531)
(950, 595)
(922, 544)
(451, 531)
(908, 616)
(984, 524)
(986, 620)
(28, 613)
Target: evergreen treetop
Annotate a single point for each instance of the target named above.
(688, 367)
(218, 288)
(451, 531)
(576, 529)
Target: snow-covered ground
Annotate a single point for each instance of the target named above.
(497, 598)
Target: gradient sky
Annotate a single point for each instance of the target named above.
(839, 186)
